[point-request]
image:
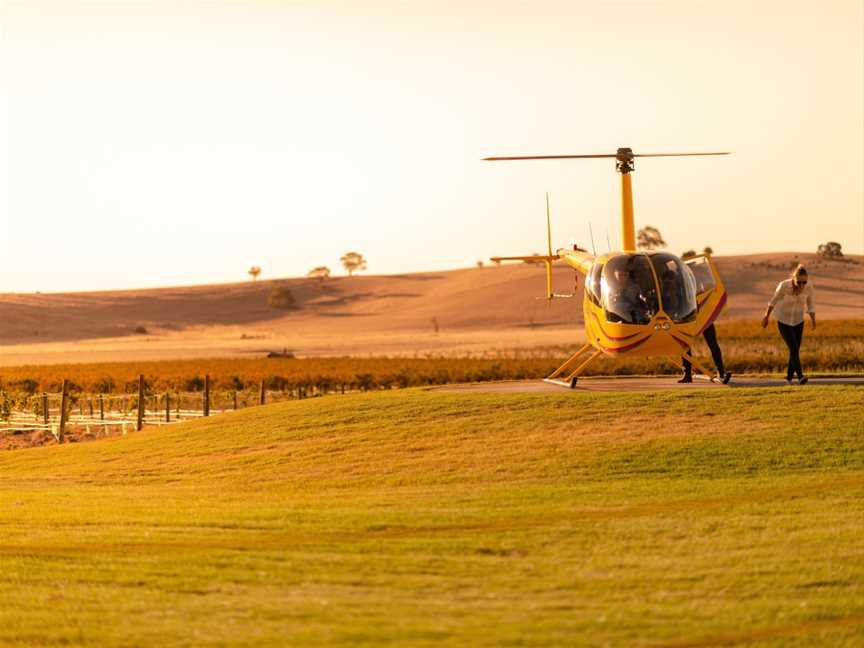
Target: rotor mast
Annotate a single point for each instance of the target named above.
(624, 166)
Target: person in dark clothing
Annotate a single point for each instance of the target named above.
(710, 335)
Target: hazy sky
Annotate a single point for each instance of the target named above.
(174, 142)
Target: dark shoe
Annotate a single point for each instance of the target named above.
(803, 380)
(788, 380)
(727, 377)
(686, 379)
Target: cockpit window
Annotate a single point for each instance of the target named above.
(592, 285)
(677, 287)
(628, 291)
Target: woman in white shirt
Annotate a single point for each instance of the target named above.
(788, 305)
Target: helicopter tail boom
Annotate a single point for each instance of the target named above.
(579, 260)
(535, 258)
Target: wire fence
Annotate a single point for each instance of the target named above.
(82, 414)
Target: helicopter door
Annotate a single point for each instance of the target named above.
(704, 273)
(593, 283)
(710, 291)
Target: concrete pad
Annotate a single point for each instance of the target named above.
(637, 383)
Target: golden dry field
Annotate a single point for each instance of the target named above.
(836, 346)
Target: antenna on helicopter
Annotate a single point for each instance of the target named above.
(608, 243)
(591, 231)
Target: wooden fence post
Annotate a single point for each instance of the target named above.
(167, 407)
(101, 407)
(46, 413)
(207, 395)
(90, 406)
(235, 399)
(262, 395)
(140, 424)
(64, 402)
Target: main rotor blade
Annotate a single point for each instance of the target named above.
(602, 155)
(676, 154)
(549, 157)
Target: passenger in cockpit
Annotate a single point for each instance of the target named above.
(670, 293)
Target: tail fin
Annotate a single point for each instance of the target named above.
(547, 259)
(549, 292)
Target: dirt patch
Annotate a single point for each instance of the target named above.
(633, 384)
(38, 438)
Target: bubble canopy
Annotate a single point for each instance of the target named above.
(633, 288)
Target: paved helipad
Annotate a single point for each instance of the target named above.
(627, 384)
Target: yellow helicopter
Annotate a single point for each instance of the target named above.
(636, 303)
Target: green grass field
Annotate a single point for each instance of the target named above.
(703, 518)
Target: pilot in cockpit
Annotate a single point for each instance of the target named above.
(627, 299)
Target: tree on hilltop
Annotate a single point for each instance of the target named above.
(353, 262)
(830, 250)
(320, 273)
(708, 250)
(254, 271)
(649, 238)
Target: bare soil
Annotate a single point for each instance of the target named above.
(45, 438)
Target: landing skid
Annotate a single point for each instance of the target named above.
(712, 379)
(571, 384)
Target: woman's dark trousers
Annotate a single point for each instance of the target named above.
(792, 336)
(710, 335)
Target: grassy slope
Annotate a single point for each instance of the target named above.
(419, 517)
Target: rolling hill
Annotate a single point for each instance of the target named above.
(473, 309)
